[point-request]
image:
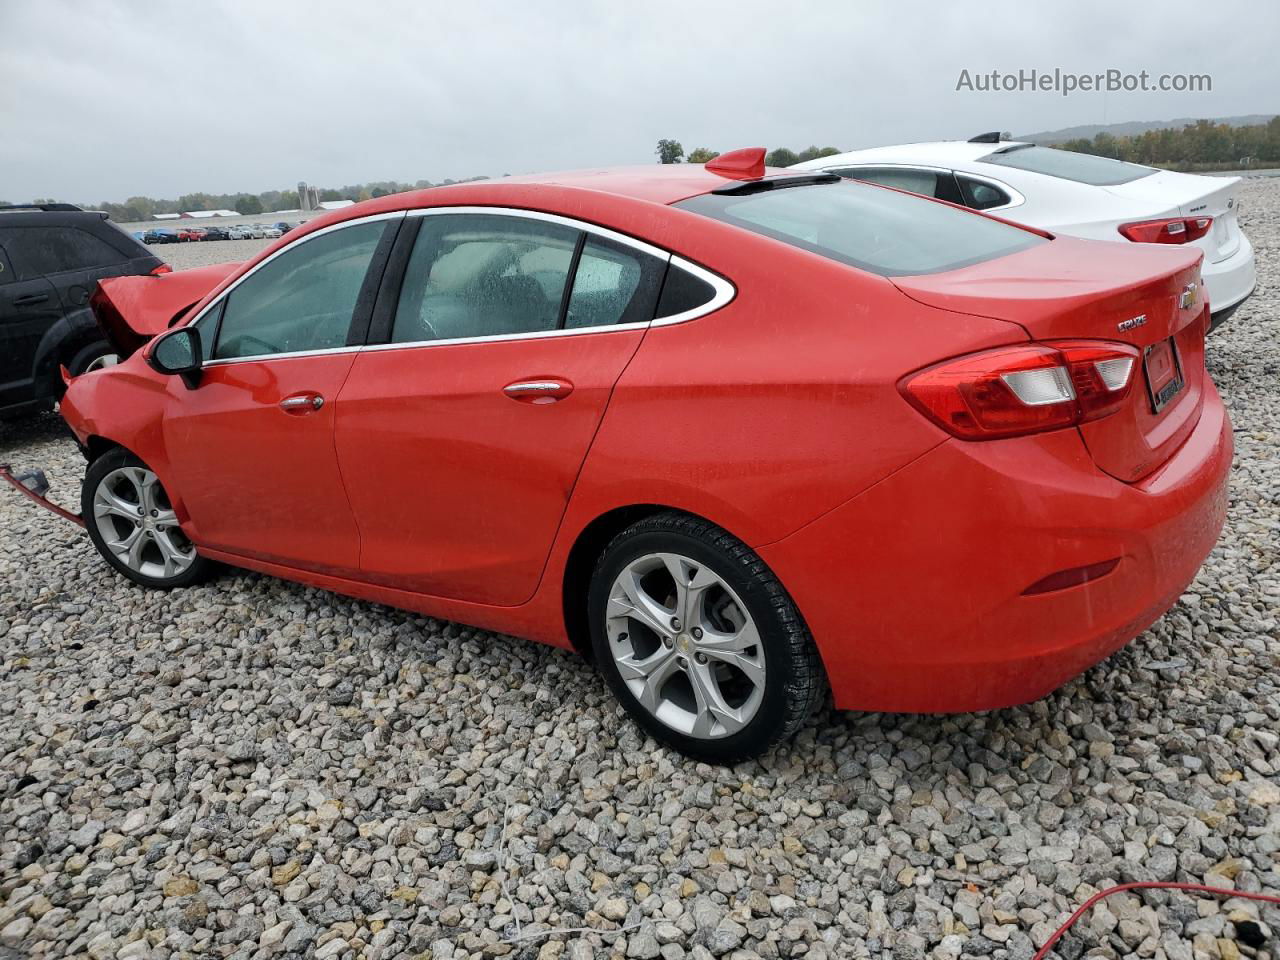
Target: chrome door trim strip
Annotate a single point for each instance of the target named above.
(724, 290)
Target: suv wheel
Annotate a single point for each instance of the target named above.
(699, 640)
(132, 523)
(93, 356)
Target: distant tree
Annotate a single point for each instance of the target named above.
(247, 205)
(379, 192)
(702, 155)
(781, 157)
(814, 153)
(669, 151)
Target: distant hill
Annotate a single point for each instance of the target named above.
(1135, 127)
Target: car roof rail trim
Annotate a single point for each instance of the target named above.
(47, 207)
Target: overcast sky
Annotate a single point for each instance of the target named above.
(102, 100)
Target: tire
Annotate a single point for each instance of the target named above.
(117, 485)
(763, 691)
(93, 356)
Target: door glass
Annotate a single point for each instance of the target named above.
(613, 284)
(979, 195)
(483, 275)
(42, 251)
(301, 300)
(6, 270)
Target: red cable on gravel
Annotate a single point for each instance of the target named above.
(1150, 885)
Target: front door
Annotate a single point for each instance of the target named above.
(251, 447)
(462, 438)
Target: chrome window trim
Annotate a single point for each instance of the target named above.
(1015, 197)
(725, 291)
(293, 245)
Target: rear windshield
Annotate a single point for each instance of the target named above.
(868, 227)
(1080, 167)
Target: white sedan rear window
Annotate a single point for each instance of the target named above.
(1066, 165)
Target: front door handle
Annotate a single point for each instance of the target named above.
(547, 390)
(30, 299)
(302, 403)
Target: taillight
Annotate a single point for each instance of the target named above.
(1175, 230)
(162, 269)
(1013, 391)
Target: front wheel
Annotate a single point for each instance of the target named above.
(699, 640)
(94, 356)
(131, 521)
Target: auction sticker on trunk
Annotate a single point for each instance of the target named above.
(1164, 373)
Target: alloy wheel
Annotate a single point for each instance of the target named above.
(99, 363)
(685, 645)
(138, 524)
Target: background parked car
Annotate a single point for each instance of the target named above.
(255, 231)
(272, 232)
(216, 233)
(51, 258)
(284, 227)
(1076, 194)
(189, 234)
(158, 235)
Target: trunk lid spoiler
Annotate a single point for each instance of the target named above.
(132, 310)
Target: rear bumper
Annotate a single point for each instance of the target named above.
(1230, 281)
(914, 589)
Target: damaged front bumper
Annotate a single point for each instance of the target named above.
(33, 485)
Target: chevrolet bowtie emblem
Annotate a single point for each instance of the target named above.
(1188, 296)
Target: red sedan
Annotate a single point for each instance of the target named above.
(741, 434)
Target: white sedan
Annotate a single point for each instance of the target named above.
(1073, 193)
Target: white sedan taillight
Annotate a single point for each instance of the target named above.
(1012, 391)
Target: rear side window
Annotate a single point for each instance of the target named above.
(613, 284)
(880, 231)
(482, 275)
(1066, 165)
(682, 292)
(41, 251)
(939, 184)
(6, 269)
(979, 195)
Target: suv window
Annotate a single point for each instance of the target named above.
(927, 183)
(613, 284)
(482, 275)
(981, 195)
(303, 299)
(1066, 165)
(41, 251)
(880, 231)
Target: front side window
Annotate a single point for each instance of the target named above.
(1067, 165)
(303, 299)
(939, 184)
(880, 231)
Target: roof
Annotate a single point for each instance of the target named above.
(656, 182)
(933, 152)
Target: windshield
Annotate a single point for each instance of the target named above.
(872, 228)
(1080, 167)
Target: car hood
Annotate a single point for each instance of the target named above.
(132, 310)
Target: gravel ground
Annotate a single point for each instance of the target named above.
(258, 769)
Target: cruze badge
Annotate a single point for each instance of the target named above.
(1132, 322)
(1188, 296)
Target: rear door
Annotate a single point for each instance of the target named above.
(461, 435)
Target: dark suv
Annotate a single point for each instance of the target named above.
(51, 257)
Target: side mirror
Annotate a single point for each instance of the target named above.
(178, 352)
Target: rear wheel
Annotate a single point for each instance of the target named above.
(699, 640)
(132, 522)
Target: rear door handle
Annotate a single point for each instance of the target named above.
(302, 403)
(548, 390)
(30, 299)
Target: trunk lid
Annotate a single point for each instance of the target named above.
(132, 310)
(1170, 194)
(1146, 295)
